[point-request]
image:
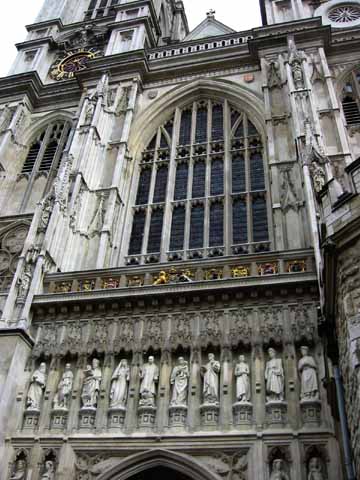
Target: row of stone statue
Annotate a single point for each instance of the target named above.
(278, 470)
(179, 380)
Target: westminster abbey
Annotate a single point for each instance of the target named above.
(180, 244)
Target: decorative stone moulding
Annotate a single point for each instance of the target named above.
(117, 417)
(209, 413)
(147, 416)
(31, 419)
(243, 413)
(59, 418)
(87, 416)
(311, 412)
(276, 413)
(178, 415)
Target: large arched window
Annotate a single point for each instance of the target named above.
(351, 99)
(44, 156)
(201, 188)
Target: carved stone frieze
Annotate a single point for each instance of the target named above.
(240, 329)
(303, 323)
(181, 330)
(271, 326)
(211, 328)
(229, 466)
(153, 334)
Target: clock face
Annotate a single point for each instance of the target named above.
(74, 61)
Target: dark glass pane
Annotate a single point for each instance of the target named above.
(234, 117)
(251, 129)
(144, 187)
(31, 158)
(155, 233)
(163, 142)
(48, 156)
(217, 123)
(239, 133)
(161, 183)
(257, 172)
(217, 177)
(199, 179)
(137, 233)
(197, 227)
(201, 125)
(216, 237)
(169, 128)
(240, 234)
(185, 128)
(181, 181)
(177, 229)
(238, 173)
(152, 144)
(260, 224)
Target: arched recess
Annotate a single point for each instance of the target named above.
(163, 110)
(144, 461)
(158, 112)
(40, 123)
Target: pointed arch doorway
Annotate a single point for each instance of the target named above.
(158, 464)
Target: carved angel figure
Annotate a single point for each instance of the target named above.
(5, 118)
(49, 472)
(36, 389)
(180, 381)
(210, 372)
(274, 376)
(315, 470)
(62, 396)
(278, 471)
(119, 385)
(19, 472)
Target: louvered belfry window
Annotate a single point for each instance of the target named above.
(101, 8)
(201, 188)
(351, 99)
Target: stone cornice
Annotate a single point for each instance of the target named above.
(17, 332)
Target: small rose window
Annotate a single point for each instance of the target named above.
(345, 13)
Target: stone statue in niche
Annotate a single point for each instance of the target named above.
(242, 374)
(36, 389)
(295, 61)
(274, 376)
(318, 176)
(91, 385)
(5, 118)
(149, 375)
(210, 372)
(315, 470)
(90, 110)
(62, 396)
(180, 382)
(119, 385)
(49, 471)
(309, 382)
(278, 470)
(24, 281)
(19, 472)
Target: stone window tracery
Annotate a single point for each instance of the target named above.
(100, 8)
(344, 13)
(201, 188)
(351, 99)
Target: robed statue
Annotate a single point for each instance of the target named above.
(210, 372)
(274, 376)
(149, 375)
(119, 385)
(278, 470)
(91, 385)
(19, 472)
(36, 389)
(242, 374)
(180, 382)
(62, 396)
(309, 382)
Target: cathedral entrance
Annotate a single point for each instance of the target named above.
(160, 473)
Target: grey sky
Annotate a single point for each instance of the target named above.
(14, 15)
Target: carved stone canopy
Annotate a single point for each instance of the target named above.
(87, 36)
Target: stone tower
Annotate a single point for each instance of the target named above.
(179, 235)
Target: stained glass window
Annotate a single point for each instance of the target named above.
(155, 233)
(144, 187)
(181, 181)
(257, 172)
(177, 228)
(239, 219)
(217, 123)
(137, 233)
(197, 227)
(185, 127)
(259, 216)
(238, 173)
(216, 233)
(161, 184)
(201, 125)
(199, 173)
(217, 177)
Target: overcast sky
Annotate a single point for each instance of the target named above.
(14, 15)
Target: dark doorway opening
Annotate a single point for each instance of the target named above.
(160, 473)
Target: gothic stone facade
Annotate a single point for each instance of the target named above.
(179, 230)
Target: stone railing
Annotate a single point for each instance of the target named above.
(178, 50)
(248, 269)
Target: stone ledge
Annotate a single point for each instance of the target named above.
(17, 332)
